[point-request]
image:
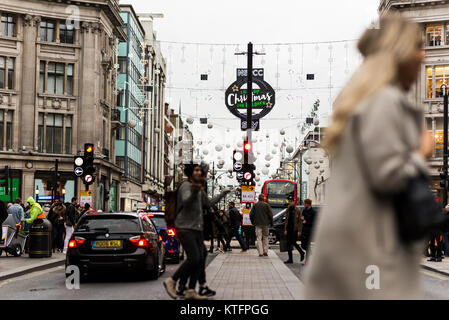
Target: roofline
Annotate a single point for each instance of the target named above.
(135, 16)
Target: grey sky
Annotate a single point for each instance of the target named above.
(262, 21)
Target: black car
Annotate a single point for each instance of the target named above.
(277, 230)
(116, 241)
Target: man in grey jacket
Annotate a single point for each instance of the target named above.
(261, 216)
(189, 223)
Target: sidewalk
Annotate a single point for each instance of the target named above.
(247, 276)
(440, 267)
(11, 267)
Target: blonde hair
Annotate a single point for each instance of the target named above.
(385, 50)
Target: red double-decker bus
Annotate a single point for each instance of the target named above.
(277, 191)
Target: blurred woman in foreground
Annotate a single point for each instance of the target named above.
(358, 254)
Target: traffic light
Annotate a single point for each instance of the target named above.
(248, 174)
(4, 175)
(237, 159)
(89, 168)
(246, 149)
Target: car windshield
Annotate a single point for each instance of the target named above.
(112, 224)
(159, 221)
(279, 213)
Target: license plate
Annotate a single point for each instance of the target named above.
(107, 244)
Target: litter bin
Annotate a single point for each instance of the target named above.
(40, 239)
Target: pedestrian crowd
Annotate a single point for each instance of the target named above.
(62, 216)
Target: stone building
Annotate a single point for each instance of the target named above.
(433, 18)
(57, 92)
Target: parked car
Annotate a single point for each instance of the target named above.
(116, 241)
(173, 248)
(276, 232)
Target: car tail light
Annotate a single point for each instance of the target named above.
(76, 242)
(171, 251)
(160, 238)
(139, 241)
(171, 232)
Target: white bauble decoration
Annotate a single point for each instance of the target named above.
(228, 146)
(190, 120)
(282, 132)
(321, 160)
(210, 125)
(274, 151)
(221, 162)
(307, 171)
(132, 123)
(218, 148)
(267, 165)
(240, 144)
(322, 171)
(257, 179)
(205, 152)
(276, 144)
(268, 157)
(316, 122)
(289, 149)
(258, 174)
(265, 171)
(219, 166)
(309, 161)
(200, 142)
(317, 166)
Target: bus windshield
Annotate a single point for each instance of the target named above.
(283, 188)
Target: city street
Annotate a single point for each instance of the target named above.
(50, 284)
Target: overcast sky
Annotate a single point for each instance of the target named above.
(262, 22)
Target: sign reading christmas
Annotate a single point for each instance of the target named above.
(236, 95)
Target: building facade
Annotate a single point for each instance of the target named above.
(155, 72)
(57, 92)
(433, 18)
(131, 84)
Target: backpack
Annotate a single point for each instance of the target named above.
(170, 198)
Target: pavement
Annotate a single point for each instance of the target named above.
(246, 276)
(11, 267)
(439, 267)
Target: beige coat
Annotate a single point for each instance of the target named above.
(356, 233)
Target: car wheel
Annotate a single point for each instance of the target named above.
(272, 238)
(17, 250)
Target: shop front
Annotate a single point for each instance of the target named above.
(65, 190)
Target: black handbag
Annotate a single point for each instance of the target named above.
(416, 211)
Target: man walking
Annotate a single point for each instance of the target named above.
(16, 211)
(235, 219)
(308, 219)
(261, 216)
(292, 229)
(69, 222)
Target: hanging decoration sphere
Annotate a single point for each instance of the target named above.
(267, 165)
(240, 144)
(210, 125)
(317, 166)
(309, 161)
(228, 146)
(321, 160)
(190, 120)
(289, 149)
(265, 171)
(322, 171)
(307, 171)
(205, 152)
(257, 179)
(282, 132)
(132, 123)
(316, 122)
(220, 166)
(221, 162)
(274, 151)
(218, 148)
(268, 157)
(276, 144)
(200, 142)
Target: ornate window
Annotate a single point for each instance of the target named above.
(8, 25)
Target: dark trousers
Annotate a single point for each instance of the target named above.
(305, 243)
(234, 232)
(291, 242)
(222, 241)
(202, 275)
(57, 232)
(192, 242)
(436, 250)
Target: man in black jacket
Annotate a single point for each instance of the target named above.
(235, 219)
(308, 216)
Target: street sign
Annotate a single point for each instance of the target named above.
(247, 175)
(255, 125)
(238, 166)
(248, 194)
(79, 171)
(86, 196)
(246, 220)
(239, 175)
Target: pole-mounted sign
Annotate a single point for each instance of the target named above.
(236, 97)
